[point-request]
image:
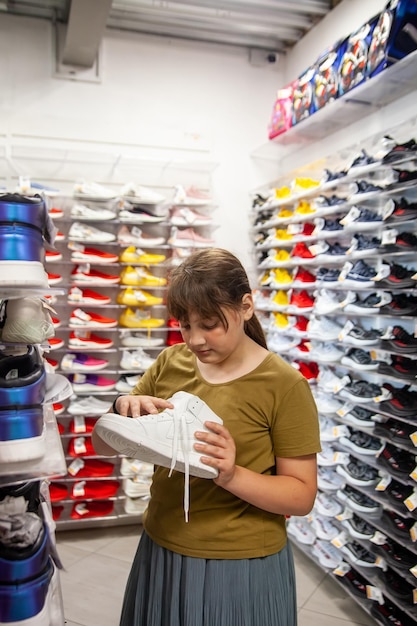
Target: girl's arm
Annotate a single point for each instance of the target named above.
(291, 492)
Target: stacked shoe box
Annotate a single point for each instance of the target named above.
(336, 295)
(113, 253)
(30, 446)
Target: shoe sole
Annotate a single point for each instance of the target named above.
(23, 274)
(116, 431)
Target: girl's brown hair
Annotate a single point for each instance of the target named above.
(206, 282)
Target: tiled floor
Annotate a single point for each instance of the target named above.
(97, 563)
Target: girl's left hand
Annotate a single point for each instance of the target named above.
(218, 450)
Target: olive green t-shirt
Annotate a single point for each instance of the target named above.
(270, 413)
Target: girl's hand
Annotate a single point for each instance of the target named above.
(135, 406)
(218, 450)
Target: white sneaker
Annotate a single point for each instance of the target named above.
(88, 406)
(136, 360)
(301, 529)
(81, 211)
(140, 340)
(84, 232)
(324, 528)
(323, 328)
(327, 505)
(137, 487)
(326, 302)
(190, 197)
(93, 191)
(132, 467)
(136, 237)
(26, 320)
(327, 353)
(184, 216)
(140, 195)
(327, 554)
(136, 506)
(164, 439)
(125, 384)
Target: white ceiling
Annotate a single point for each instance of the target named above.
(270, 25)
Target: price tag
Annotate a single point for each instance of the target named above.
(345, 271)
(378, 538)
(340, 540)
(389, 237)
(383, 483)
(79, 424)
(78, 490)
(75, 467)
(79, 445)
(383, 271)
(411, 501)
(351, 216)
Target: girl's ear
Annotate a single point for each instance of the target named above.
(248, 307)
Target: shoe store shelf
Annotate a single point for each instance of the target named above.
(387, 87)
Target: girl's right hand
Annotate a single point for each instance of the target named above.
(135, 406)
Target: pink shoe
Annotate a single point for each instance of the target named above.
(188, 238)
(190, 197)
(184, 216)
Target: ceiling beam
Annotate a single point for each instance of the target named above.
(86, 25)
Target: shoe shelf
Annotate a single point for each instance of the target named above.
(183, 226)
(289, 312)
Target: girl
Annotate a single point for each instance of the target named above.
(231, 564)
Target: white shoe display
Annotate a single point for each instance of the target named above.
(136, 237)
(84, 232)
(140, 340)
(136, 360)
(138, 194)
(88, 406)
(96, 214)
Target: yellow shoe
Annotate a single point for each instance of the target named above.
(281, 298)
(302, 184)
(140, 277)
(136, 255)
(284, 213)
(282, 234)
(280, 320)
(282, 192)
(281, 277)
(281, 256)
(137, 297)
(139, 319)
(304, 208)
(265, 278)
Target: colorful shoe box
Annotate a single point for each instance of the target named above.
(326, 75)
(394, 36)
(281, 118)
(353, 63)
(303, 104)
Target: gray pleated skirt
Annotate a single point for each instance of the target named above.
(168, 589)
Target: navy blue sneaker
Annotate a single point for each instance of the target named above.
(23, 226)
(362, 190)
(362, 246)
(360, 275)
(363, 163)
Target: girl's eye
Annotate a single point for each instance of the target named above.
(210, 325)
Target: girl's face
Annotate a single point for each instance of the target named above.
(209, 340)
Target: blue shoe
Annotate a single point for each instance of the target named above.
(22, 230)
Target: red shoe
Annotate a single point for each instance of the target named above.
(81, 254)
(304, 278)
(174, 337)
(81, 446)
(307, 230)
(86, 340)
(55, 343)
(95, 489)
(52, 255)
(90, 468)
(57, 512)
(54, 364)
(58, 408)
(81, 424)
(301, 324)
(82, 274)
(310, 370)
(54, 279)
(301, 251)
(85, 510)
(58, 492)
(61, 428)
(173, 323)
(87, 296)
(82, 319)
(302, 300)
(59, 236)
(55, 213)
(56, 322)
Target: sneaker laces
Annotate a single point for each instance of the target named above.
(180, 436)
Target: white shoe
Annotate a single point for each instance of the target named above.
(141, 195)
(301, 529)
(88, 406)
(136, 506)
(140, 340)
(137, 487)
(136, 237)
(136, 360)
(26, 320)
(164, 439)
(126, 384)
(132, 467)
(184, 216)
(93, 191)
(190, 197)
(84, 232)
(81, 211)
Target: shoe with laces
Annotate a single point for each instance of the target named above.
(84, 274)
(361, 392)
(323, 527)
(358, 473)
(327, 505)
(93, 191)
(86, 340)
(301, 251)
(370, 304)
(83, 254)
(361, 443)
(403, 212)
(77, 295)
(323, 328)
(138, 238)
(301, 530)
(136, 360)
(82, 319)
(132, 255)
(164, 439)
(137, 297)
(89, 214)
(361, 275)
(301, 301)
(188, 238)
(185, 216)
(358, 555)
(87, 406)
(139, 319)
(279, 278)
(303, 278)
(90, 383)
(141, 277)
(400, 304)
(363, 163)
(328, 555)
(327, 302)
(138, 194)
(80, 362)
(400, 367)
(360, 416)
(358, 336)
(140, 340)
(363, 190)
(190, 196)
(328, 277)
(362, 246)
(84, 232)
(358, 501)
(399, 277)
(358, 527)
(359, 359)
